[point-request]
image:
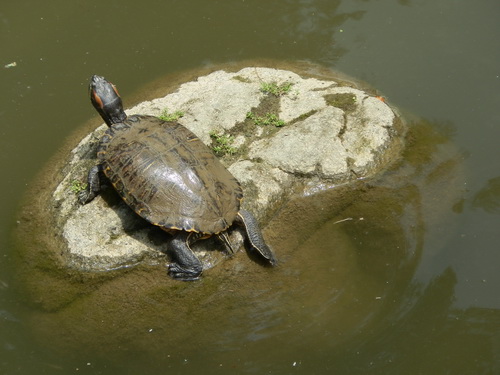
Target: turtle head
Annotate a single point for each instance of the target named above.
(106, 100)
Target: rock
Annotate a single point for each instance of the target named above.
(318, 134)
(330, 133)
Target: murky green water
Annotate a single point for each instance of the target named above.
(408, 284)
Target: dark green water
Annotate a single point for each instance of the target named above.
(439, 306)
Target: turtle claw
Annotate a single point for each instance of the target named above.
(84, 197)
(183, 274)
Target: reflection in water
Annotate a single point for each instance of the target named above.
(407, 334)
(316, 18)
(488, 198)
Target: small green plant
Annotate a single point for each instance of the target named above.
(267, 119)
(222, 144)
(277, 90)
(167, 116)
(77, 186)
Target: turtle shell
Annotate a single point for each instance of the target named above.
(166, 174)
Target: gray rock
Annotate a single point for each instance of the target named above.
(332, 134)
(325, 157)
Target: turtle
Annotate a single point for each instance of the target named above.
(170, 178)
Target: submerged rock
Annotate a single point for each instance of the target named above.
(279, 133)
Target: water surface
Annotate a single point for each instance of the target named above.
(439, 305)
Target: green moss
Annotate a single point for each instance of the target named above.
(345, 101)
(306, 115)
(241, 79)
(167, 116)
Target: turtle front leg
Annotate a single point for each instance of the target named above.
(187, 266)
(93, 185)
(248, 221)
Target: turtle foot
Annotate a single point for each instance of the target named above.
(85, 197)
(179, 273)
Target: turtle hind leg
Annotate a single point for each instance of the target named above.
(248, 221)
(187, 267)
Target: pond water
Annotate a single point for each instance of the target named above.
(404, 280)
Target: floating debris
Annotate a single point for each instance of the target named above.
(10, 65)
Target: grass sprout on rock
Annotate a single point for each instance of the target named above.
(222, 143)
(77, 186)
(167, 116)
(267, 119)
(277, 90)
